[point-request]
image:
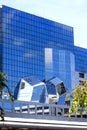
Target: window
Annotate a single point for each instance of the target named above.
(80, 82)
(22, 85)
(61, 88)
(81, 75)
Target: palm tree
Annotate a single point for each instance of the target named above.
(3, 80)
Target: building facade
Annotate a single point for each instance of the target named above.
(32, 45)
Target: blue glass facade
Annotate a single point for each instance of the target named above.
(0, 39)
(80, 59)
(32, 45)
(60, 63)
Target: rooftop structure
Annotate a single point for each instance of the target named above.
(33, 90)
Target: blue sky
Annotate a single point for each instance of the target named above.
(69, 12)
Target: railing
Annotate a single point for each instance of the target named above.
(19, 114)
(35, 110)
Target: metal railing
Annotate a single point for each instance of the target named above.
(33, 109)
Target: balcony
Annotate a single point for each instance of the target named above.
(32, 115)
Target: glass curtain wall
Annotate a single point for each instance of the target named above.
(25, 37)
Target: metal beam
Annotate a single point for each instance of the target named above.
(42, 124)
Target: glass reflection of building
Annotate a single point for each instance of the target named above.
(31, 45)
(60, 63)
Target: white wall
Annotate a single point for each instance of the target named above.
(26, 93)
(77, 78)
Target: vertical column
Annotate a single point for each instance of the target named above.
(48, 63)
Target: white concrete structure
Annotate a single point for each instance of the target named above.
(29, 92)
(80, 76)
(25, 91)
(33, 90)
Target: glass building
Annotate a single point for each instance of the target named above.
(32, 45)
(31, 89)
